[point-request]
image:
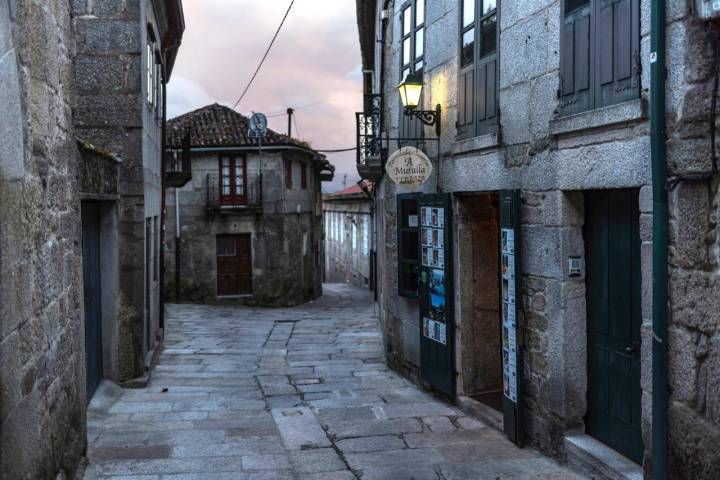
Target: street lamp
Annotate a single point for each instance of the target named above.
(410, 92)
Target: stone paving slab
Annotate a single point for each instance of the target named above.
(300, 393)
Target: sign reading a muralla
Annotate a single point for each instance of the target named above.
(409, 167)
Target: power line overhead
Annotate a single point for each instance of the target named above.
(267, 52)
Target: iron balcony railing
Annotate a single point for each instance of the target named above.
(251, 196)
(369, 138)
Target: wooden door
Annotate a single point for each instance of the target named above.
(92, 295)
(614, 316)
(234, 264)
(436, 297)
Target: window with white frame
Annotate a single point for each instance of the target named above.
(354, 235)
(366, 236)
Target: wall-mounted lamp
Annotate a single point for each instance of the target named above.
(410, 93)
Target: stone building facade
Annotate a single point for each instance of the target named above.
(68, 70)
(250, 218)
(42, 372)
(349, 236)
(125, 55)
(537, 98)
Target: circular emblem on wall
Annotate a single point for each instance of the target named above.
(409, 167)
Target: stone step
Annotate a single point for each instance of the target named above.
(598, 461)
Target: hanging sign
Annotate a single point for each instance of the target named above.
(258, 126)
(409, 167)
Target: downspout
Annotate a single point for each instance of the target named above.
(660, 244)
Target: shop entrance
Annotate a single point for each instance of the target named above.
(480, 325)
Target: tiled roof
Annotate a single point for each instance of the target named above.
(351, 191)
(219, 126)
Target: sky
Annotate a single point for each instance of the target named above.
(314, 66)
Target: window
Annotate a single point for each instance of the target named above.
(303, 176)
(412, 59)
(288, 174)
(366, 235)
(156, 244)
(150, 67)
(233, 172)
(354, 234)
(599, 54)
(478, 77)
(408, 245)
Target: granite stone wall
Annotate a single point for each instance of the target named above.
(110, 107)
(42, 372)
(553, 160)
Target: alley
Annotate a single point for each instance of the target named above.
(299, 393)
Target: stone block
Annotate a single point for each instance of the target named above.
(692, 444)
(689, 156)
(541, 251)
(646, 199)
(97, 36)
(682, 364)
(694, 300)
(120, 110)
(691, 233)
(107, 74)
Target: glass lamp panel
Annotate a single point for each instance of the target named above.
(468, 12)
(489, 6)
(419, 43)
(407, 20)
(420, 13)
(468, 47)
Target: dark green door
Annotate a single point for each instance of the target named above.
(435, 293)
(92, 295)
(614, 315)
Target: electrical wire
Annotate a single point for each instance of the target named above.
(337, 150)
(297, 128)
(267, 52)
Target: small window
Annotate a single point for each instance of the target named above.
(288, 174)
(413, 61)
(226, 247)
(303, 176)
(150, 74)
(233, 180)
(408, 245)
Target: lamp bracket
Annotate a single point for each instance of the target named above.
(427, 117)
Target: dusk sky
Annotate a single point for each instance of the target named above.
(314, 66)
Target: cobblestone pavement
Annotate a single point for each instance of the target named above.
(299, 393)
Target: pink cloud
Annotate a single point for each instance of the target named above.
(315, 60)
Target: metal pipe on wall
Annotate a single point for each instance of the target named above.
(660, 244)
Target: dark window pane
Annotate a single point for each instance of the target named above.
(468, 49)
(572, 5)
(409, 277)
(489, 6)
(488, 30)
(410, 247)
(468, 12)
(407, 21)
(409, 209)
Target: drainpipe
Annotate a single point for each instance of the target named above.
(660, 244)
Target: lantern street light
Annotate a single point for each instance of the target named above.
(410, 92)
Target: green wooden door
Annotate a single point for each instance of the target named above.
(614, 317)
(437, 323)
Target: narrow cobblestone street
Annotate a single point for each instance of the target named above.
(300, 393)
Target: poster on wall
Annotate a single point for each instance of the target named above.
(509, 298)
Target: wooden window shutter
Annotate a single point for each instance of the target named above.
(576, 93)
(618, 51)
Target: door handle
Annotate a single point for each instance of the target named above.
(632, 350)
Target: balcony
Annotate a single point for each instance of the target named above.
(251, 200)
(369, 139)
(178, 170)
